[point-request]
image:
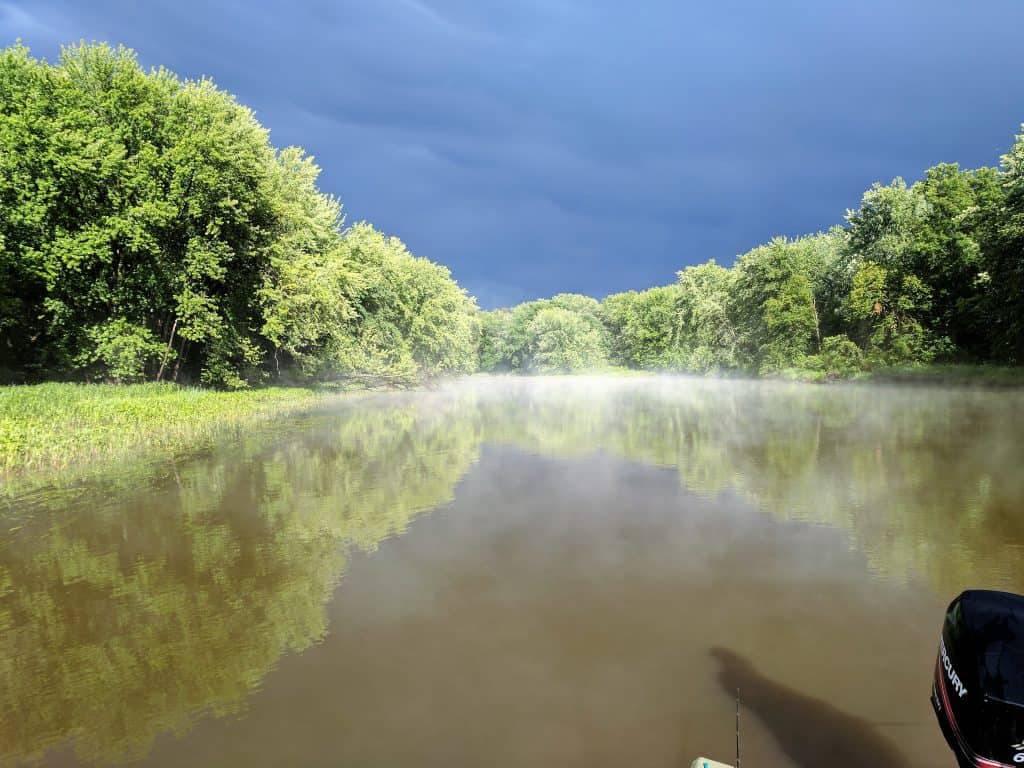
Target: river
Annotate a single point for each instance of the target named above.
(517, 572)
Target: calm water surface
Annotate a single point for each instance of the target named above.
(517, 573)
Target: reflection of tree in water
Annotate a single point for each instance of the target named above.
(119, 620)
(924, 481)
(133, 607)
(812, 732)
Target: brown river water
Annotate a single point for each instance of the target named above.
(516, 572)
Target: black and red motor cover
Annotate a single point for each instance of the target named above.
(978, 689)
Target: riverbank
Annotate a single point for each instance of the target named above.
(52, 427)
(952, 375)
(48, 428)
(939, 374)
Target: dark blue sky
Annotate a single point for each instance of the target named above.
(540, 146)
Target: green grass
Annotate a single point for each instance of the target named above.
(49, 427)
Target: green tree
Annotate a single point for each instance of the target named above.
(27, 116)
(709, 339)
(309, 288)
(1004, 258)
(150, 230)
(562, 341)
(644, 327)
(902, 250)
(494, 349)
(933, 231)
(413, 318)
(146, 194)
(779, 289)
(948, 254)
(562, 334)
(884, 308)
(791, 325)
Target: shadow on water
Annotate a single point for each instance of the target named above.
(812, 732)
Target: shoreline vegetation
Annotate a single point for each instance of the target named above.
(56, 428)
(150, 232)
(946, 375)
(51, 432)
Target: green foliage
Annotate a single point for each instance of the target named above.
(931, 240)
(791, 324)
(644, 327)
(562, 341)
(779, 288)
(884, 309)
(708, 337)
(145, 212)
(1004, 259)
(54, 426)
(919, 274)
(151, 231)
(414, 319)
(563, 334)
(308, 291)
(494, 349)
(885, 228)
(839, 358)
(949, 253)
(124, 351)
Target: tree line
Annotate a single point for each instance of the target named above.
(150, 231)
(933, 271)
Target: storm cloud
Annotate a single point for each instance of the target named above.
(540, 146)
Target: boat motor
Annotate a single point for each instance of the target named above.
(978, 688)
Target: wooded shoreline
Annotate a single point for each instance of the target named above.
(149, 231)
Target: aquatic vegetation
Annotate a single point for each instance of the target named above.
(57, 426)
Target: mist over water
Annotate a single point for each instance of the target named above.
(518, 572)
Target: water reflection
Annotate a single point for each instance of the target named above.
(925, 481)
(126, 611)
(140, 601)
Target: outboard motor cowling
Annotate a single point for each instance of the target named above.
(978, 690)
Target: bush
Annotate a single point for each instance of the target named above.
(123, 349)
(839, 358)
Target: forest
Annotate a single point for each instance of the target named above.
(149, 231)
(919, 274)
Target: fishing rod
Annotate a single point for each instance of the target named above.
(706, 762)
(737, 728)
